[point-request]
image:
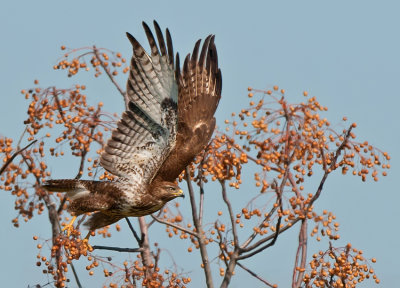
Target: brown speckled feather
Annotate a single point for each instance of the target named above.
(200, 84)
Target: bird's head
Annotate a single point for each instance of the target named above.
(168, 191)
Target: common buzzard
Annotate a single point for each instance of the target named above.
(169, 120)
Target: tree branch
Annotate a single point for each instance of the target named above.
(252, 236)
(201, 205)
(124, 94)
(175, 226)
(153, 221)
(231, 215)
(255, 275)
(325, 176)
(8, 162)
(118, 249)
(133, 231)
(145, 245)
(279, 193)
(78, 282)
(298, 270)
(199, 229)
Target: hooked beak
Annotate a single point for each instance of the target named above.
(179, 193)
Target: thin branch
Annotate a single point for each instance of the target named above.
(298, 270)
(154, 220)
(262, 248)
(201, 185)
(254, 235)
(325, 176)
(231, 215)
(118, 249)
(175, 226)
(156, 257)
(4, 167)
(255, 275)
(199, 229)
(201, 205)
(221, 245)
(133, 231)
(96, 53)
(59, 107)
(279, 193)
(78, 282)
(146, 255)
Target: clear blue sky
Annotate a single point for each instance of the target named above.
(344, 52)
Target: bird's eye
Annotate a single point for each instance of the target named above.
(171, 188)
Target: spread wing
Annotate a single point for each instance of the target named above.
(200, 85)
(146, 133)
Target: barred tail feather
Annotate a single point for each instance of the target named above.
(74, 188)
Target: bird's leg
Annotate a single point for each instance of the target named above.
(69, 227)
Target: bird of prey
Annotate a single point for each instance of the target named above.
(168, 121)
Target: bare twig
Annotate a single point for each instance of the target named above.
(253, 236)
(231, 215)
(201, 185)
(298, 270)
(4, 167)
(222, 245)
(118, 249)
(327, 171)
(156, 257)
(175, 226)
(255, 275)
(201, 204)
(78, 282)
(279, 193)
(107, 70)
(59, 107)
(254, 248)
(153, 221)
(199, 229)
(133, 231)
(145, 245)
